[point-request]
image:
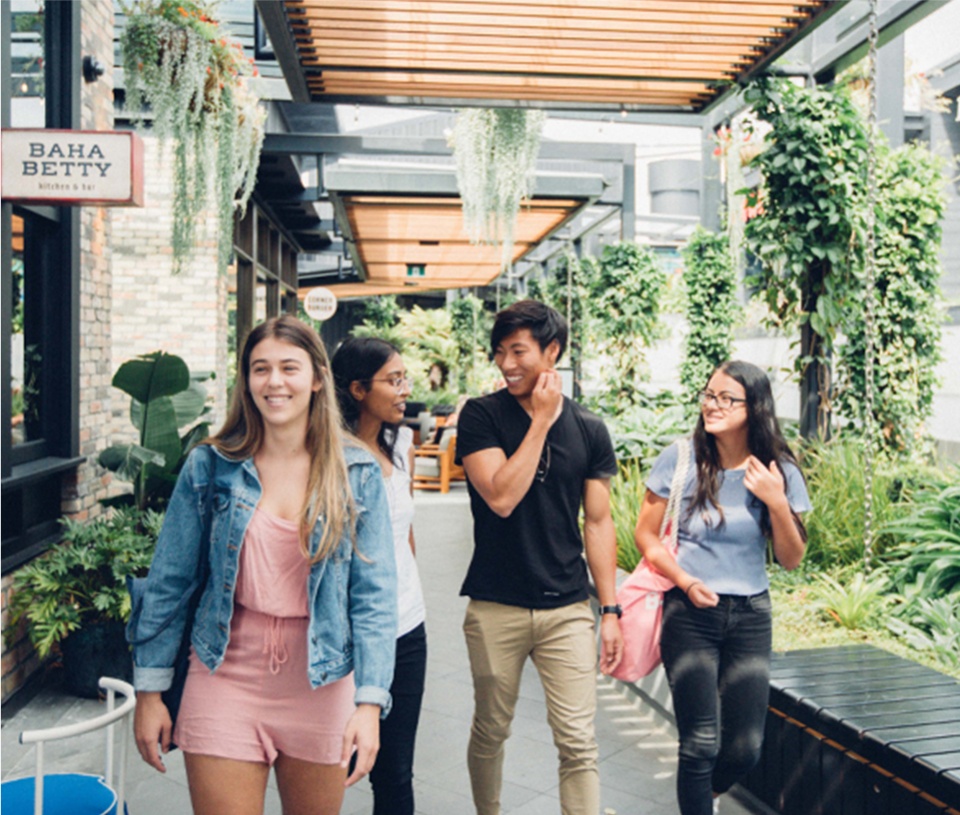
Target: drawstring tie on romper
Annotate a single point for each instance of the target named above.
(274, 645)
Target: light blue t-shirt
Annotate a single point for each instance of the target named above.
(730, 559)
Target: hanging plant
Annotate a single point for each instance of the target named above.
(194, 81)
(496, 154)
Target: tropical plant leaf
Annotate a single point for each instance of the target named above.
(128, 460)
(152, 375)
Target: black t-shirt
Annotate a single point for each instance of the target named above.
(533, 558)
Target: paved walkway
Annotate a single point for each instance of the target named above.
(637, 747)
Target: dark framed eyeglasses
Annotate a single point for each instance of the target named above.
(722, 400)
(543, 466)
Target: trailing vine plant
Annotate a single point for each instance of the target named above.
(910, 207)
(711, 308)
(496, 156)
(809, 209)
(178, 64)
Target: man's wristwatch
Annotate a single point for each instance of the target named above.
(617, 609)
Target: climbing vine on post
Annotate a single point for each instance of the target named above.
(625, 292)
(811, 198)
(910, 207)
(711, 308)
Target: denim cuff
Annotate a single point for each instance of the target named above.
(152, 679)
(372, 695)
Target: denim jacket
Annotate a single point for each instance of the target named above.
(352, 594)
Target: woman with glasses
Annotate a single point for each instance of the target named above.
(372, 388)
(743, 489)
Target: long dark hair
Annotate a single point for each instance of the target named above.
(357, 360)
(328, 489)
(764, 438)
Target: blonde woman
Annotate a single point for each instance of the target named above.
(293, 640)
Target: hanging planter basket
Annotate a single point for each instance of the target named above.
(496, 154)
(193, 81)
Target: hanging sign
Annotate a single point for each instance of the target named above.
(320, 303)
(73, 167)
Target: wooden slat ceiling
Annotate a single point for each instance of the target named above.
(393, 231)
(639, 54)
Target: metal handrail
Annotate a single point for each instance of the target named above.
(106, 720)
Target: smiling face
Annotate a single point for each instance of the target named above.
(716, 420)
(521, 360)
(281, 382)
(385, 396)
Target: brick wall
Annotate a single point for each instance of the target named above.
(155, 310)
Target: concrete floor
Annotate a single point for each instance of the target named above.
(637, 745)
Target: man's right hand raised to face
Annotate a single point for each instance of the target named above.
(546, 401)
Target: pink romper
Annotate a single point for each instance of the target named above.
(259, 702)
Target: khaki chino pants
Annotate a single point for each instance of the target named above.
(562, 644)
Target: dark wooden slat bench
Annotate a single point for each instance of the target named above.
(855, 730)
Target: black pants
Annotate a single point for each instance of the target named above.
(718, 663)
(392, 775)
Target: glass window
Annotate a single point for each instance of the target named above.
(26, 352)
(27, 108)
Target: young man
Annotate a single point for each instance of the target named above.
(532, 457)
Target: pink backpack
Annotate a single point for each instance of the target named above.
(641, 594)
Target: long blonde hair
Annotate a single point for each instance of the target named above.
(328, 490)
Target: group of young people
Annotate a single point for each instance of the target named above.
(308, 642)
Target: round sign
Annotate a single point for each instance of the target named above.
(320, 303)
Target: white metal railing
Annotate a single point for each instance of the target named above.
(106, 720)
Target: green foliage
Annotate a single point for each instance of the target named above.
(931, 625)
(925, 560)
(470, 322)
(812, 167)
(855, 603)
(911, 204)
(82, 579)
(496, 155)
(711, 308)
(164, 397)
(625, 293)
(626, 495)
(426, 337)
(642, 432)
(835, 481)
(177, 61)
(381, 312)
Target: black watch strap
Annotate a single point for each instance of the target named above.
(612, 610)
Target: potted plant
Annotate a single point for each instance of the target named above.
(74, 597)
(177, 61)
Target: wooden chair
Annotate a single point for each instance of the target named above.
(433, 466)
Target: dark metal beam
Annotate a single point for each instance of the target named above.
(274, 18)
(336, 144)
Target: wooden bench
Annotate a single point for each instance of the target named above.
(859, 731)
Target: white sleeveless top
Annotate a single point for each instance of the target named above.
(409, 592)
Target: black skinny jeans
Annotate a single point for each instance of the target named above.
(718, 664)
(392, 775)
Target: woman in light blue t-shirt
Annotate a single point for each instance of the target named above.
(743, 490)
